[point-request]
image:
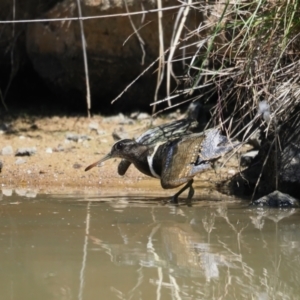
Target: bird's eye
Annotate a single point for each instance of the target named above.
(119, 146)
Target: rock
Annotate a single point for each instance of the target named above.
(20, 161)
(26, 193)
(7, 192)
(49, 150)
(247, 158)
(93, 126)
(101, 132)
(120, 119)
(114, 52)
(77, 166)
(59, 148)
(4, 128)
(31, 194)
(20, 191)
(119, 134)
(139, 116)
(25, 151)
(276, 199)
(77, 137)
(290, 170)
(1, 166)
(8, 150)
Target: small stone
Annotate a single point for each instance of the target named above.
(4, 127)
(31, 194)
(174, 115)
(143, 116)
(93, 126)
(120, 119)
(34, 127)
(120, 134)
(8, 150)
(276, 199)
(7, 192)
(77, 166)
(77, 138)
(20, 192)
(101, 132)
(139, 116)
(20, 161)
(247, 158)
(114, 119)
(86, 144)
(231, 172)
(72, 137)
(134, 115)
(127, 121)
(25, 151)
(59, 148)
(49, 150)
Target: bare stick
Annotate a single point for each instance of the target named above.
(142, 43)
(86, 69)
(161, 62)
(174, 43)
(131, 83)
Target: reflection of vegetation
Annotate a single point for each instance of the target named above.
(206, 252)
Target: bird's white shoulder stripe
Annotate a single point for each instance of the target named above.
(150, 158)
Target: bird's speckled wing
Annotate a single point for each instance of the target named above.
(192, 154)
(179, 161)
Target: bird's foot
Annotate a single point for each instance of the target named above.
(174, 199)
(190, 196)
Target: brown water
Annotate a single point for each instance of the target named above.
(56, 247)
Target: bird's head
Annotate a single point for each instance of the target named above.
(126, 149)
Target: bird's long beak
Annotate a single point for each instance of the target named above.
(97, 163)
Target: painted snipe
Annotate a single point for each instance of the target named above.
(194, 121)
(175, 162)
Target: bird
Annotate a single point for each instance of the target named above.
(176, 161)
(193, 121)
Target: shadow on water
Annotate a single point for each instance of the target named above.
(57, 247)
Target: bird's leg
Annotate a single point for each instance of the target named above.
(174, 199)
(190, 194)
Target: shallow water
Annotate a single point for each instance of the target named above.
(57, 247)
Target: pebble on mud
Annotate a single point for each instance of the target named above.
(59, 148)
(93, 126)
(119, 134)
(25, 151)
(8, 150)
(49, 150)
(7, 192)
(20, 161)
(74, 137)
(120, 119)
(77, 166)
(140, 116)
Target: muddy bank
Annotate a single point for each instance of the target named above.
(63, 146)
